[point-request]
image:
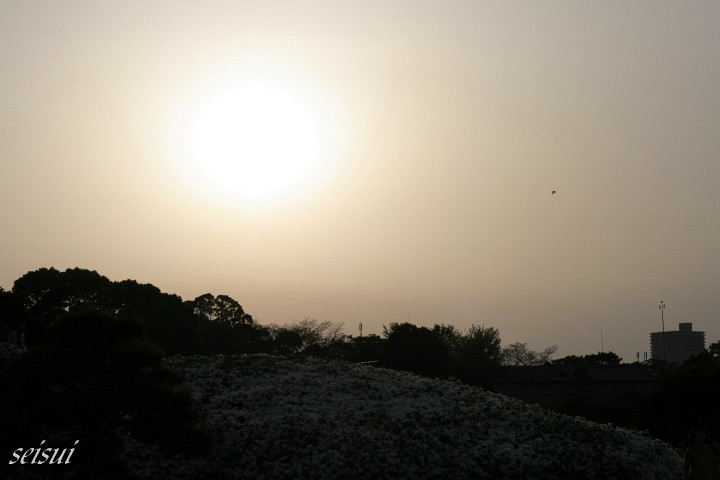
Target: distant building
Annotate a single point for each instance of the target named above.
(677, 346)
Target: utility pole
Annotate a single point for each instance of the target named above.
(662, 318)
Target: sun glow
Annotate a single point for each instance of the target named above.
(254, 144)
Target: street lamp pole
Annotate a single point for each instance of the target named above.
(662, 318)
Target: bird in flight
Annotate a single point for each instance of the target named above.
(553, 192)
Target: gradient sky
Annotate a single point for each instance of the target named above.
(443, 128)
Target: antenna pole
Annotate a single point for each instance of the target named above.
(662, 318)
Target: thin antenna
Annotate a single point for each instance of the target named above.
(662, 318)
(360, 329)
(602, 343)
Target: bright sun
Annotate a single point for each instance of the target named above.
(254, 143)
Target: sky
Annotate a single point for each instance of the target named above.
(402, 159)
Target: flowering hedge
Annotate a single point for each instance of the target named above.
(279, 418)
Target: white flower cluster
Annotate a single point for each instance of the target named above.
(278, 418)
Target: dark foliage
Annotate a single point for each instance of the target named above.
(478, 356)
(600, 358)
(95, 376)
(366, 349)
(443, 351)
(165, 319)
(12, 311)
(688, 398)
(307, 337)
(96, 346)
(222, 309)
(47, 295)
(415, 349)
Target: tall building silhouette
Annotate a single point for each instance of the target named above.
(677, 346)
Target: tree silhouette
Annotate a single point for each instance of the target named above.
(714, 350)
(49, 295)
(600, 358)
(688, 398)
(222, 309)
(449, 335)
(166, 320)
(308, 336)
(94, 376)
(518, 354)
(415, 349)
(479, 355)
(366, 349)
(11, 312)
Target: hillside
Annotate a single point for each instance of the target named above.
(273, 418)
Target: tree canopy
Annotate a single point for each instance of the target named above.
(48, 295)
(518, 354)
(221, 309)
(415, 349)
(600, 358)
(478, 355)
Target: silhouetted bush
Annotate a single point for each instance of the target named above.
(94, 379)
(367, 349)
(415, 349)
(478, 356)
(306, 337)
(687, 399)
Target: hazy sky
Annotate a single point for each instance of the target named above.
(440, 130)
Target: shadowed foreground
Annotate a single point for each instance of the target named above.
(271, 417)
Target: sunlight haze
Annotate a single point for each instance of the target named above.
(410, 150)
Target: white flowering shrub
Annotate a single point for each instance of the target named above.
(278, 418)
